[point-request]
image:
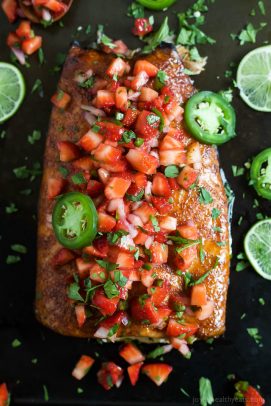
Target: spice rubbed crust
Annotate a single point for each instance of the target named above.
(53, 307)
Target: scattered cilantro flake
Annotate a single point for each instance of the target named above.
(202, 254)
(184, 392)
(88, 29)
(63, 171)
(249, 33)
(152, 119)
(119, 116)
(13, 259)
(35, 136)
(113, 330)
(261, 7)
(34, 360)
(109, 266)
(155, 223)
(139, 141)
(37, 87)
(227, 94)
(172, 171)
(261, 301)
(114, 236)
(157, 352)
(210, 341)
(254, 333)
(206, 392)
(87, 84)
(231, 377)
(3, 134)
(237, 170)
(243, 316)
(240, 220)
(127, 136)
(204, 196)
(78, 179)
(135, 198)
(104, 39)
(41, 56)
(155, 39)
(23, 172)
(16, 343)
(21, 249)
(162, 77)
(79, 391)
(26, 192)
(135, 10)
(241, 266)
(215, 213)
(111, 289)
(73, 292)
(45, 393)
(11, 208)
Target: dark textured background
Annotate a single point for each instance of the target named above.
(236, 352)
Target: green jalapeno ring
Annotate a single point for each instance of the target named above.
(210, 118)
(260, 173)
(75, 220)
(156, 4)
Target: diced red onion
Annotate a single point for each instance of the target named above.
(125, 320)
(93, 110)
(19, 55)
(148, 242)
(206, 310)
(147, 191)
(136, 205)
(90, 118)
(166, 129)
(46, 15)
(167, 348)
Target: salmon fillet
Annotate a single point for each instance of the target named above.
(53, 308)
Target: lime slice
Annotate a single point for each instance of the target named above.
(12, 90)
(254, 78)
(258, 247)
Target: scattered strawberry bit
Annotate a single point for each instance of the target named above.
(10, 9)
(63, 257)
(251, 395)
(131, 354)
(133, 372)
(158, 373)
(110, 375)
(142, 27)
(4, 395)
(61, 99)
(82, 367)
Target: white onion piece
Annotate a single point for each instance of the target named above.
(93, 110)
(125, 242)
(132, 230)
(90, 118)
(166, 129)
(130, 77)
(136, 205)
(155, 154)
(148, 242)
(180, 345)
(81, 77)
(206, 310)
(135, 220)
(117, 205)
(46, 15)
(19, 55)
(133, 96)
(102, 332)
(103, 175)
(147, 191)
(119, 382)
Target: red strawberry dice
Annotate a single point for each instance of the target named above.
(125, 260)
(83, 267)
(60, 99)
(55, 6)
(106, 154)
(175, 329)
(116, 188)
(159, 294)
(94, 188)
(109, 375)
(90, 141)
(133, 372)
(24, 29)
(112, 131)
(147, 124)
(147, 277)
(142, 309)
(106, 222)
(143, 65)
(10, 9)
(131, 354)
(173, 184)
(161, 204)
(187, 177)
(139, 80)
(85, 163)
(68, 151)
(13, 40)
(160, 185)
(117, 318)
(82, 367)
(168, 223)
(55, 187)
(81, 316)
(198, 295)
(140, 180)
(106, 306)
(142, 162)
(117, 67)
(159, 253)
(253, 397)
(104, 99)
(130, 117)
(144, 212)
(185, 258)
(121, 98)
(172, 157)
(158, 373)
(147, 94)
(142, 27)
(97, 273)
(188, 230)
(170, 142)
(140, 238)
(62, 257)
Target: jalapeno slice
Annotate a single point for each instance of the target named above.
(260, 173)
(156, 4)
(210, 118)
(75, 220)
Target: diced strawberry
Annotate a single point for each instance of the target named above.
(185, 258)
(61, 99)
(90, 141)
(117, 318)
(168, 223)
(205, 310)
(178, 301)
(175, 329)
(172, 157)
(147, 94)
(121, 98)
(147, 124)
(109, 375)
(10, 9)
(82, 367)
(107, 154)
(99, 84)
(140, 179)
(161, 204)
(142, 162)
(4, 395)
(160, 236)
(81, 316)
(104, 99)
(159, 294)
(24, 30)
(62, 257)
(120, 48)
(116, 188)
(159, 253)
(106, 223)
(132, 274)
(160, 185)
(143, 65)
(174, 111)
(187, 177)
(31, 45)
(94, 188)
(253, 397)
(173, 184)
(113, 85)
(102, 245)
(198, 295)
(131, 354)
(142, 309)
(188, 230)
(112, 131)
(83, 267)
(169, 142)
(130, 117)
(84, 163)
(139, 80)
(56, 6)
(97, 273)
(117, 67)
(144, 212)
(55, 187)
(106, 306)
(147, 277)
(140, 238)
(13, 40)
(92, 251)
(68, 151)
(158, 373)
(117, 166)
(133, 372)
(142, 26)
(125, 260)
(163, 312)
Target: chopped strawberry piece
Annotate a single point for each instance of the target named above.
(116, 188)
(160, 185)
(159, 253)
(253, 397)
(85, 163)
(119, 165)
(187, 177)
(117, 318)
(13, 40)
(147, 94)
(142, 26)
(170, 142)
(198, 295)
(163, 312)
(117, 67)
(130, 117)
(120, 48)
(56, 6)
(94, 188)
(109, 375)
(144, 212)
(172, 157)
(99, 84)
(173, 184)
(121, 98)
(147, 124)
(24, 30)
(90, 141)
(142, 309)
(92, 251)
(97, 273)
(82, 367)
(140, 238)
(140, 180)
(168, 223)
(139, 80)
(161, 204)
(81, 316)
(147, 277)
(142, 162)
(106, 306)
(31, 45)
(107, 154)
(133, 372)
(61, 99)
(125, 260)
(178, 301)
(68, 151)
(4, 395)
(175, 329)
(188, 230)
(83, 267)
(185, 258)
(159, 294)
(104, 99)
(174, 111)
(10, 9)
(131, 354)
(106, 222)
(55, 187)
(62, 257)
(143, 65)
(158, 373)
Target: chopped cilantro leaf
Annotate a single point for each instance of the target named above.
(249, 33)
(73, 292)
(135, 198)
(152, 119)
(21, 249)
(184, 392)
(254, 333)
(16, 343)
(139, 141)
(87, 84)
(45, 393)
(204, 196)
(261, 7)
(155, 223)
(114, 236)
(206, 392)
(12, 259)
(172, 171)
(155, 39)
(35, 136)
(109, 266)
(127, 136)
(23, 172)
(78, 179)
(63, 171)
(111, 289)
(162, 77)
(237, 170)
(261, 301)
(3, 134)
(227, 94)
(37, 87)
(113, 330)
(41, 56)
(135, 10)
(215, 213)
(11, 208)
(241, 266)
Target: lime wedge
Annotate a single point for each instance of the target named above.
(254, 78)
(12, 90)
(257, 246)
